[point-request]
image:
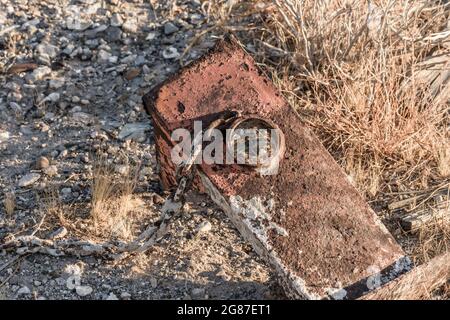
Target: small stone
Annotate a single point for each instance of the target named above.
(116, 20)
(24, 291)
(132, 73)
(125, 295)
(66, 191)
(83, 291)
(112, 296)
(157, 199)
(205, 226)
(39, 73)
(58, 234)
(154, 283)
(56, 83)
(48, 50)
(170, 28)
(170, 53)
(73, 282)
(113, 34)
(197, 293)
(134, 131)
(42, 163)
(28, 179)
(52, 97)
(150, 36)
(4, 136)
(103, 56)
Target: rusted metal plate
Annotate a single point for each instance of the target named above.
(307, 221)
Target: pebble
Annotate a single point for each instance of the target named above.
(154, 283)
(73, 281)
(28, 179)
(83, 291)
(112, 296)
(24, 291)
(52, 97)
(125, 295)
(59, 233)
(205, 226)
(40, 73)
(4, 136)
(116, 20)
(170, 53)
(170, 28)
(42, 163)
(56, 83)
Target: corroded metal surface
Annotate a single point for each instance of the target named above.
(308, 221)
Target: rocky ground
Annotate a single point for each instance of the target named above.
(73, 76)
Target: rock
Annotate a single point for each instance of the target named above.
(4, 136)
(197, 293)
(42, 163)
(112, 296)
(83, 291)
(154, 283)
(24, 291)
(157, 199)
(134, 131)
(75, 23)
(113, 34)
(39, 73)
(51, 171)
(73, 281)
(125, 295)
(52, 97)
(129, 59)
(170, 28)
(48, 50)
(103, 56)
(170, 53)
(150, 36)
(66, 191)
(56, 83)
(205, 226)
(28, 179)
(132, 73)
(58, 234)
(116, 20)
(130, 26)
(82, 117)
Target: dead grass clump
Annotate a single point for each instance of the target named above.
(432, 240)
(112, 201)
(9, 203)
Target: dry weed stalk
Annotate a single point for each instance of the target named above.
(112, 201)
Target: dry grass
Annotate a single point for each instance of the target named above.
(112, 201)
(9, 203)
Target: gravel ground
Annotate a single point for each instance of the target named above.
(93, 62)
